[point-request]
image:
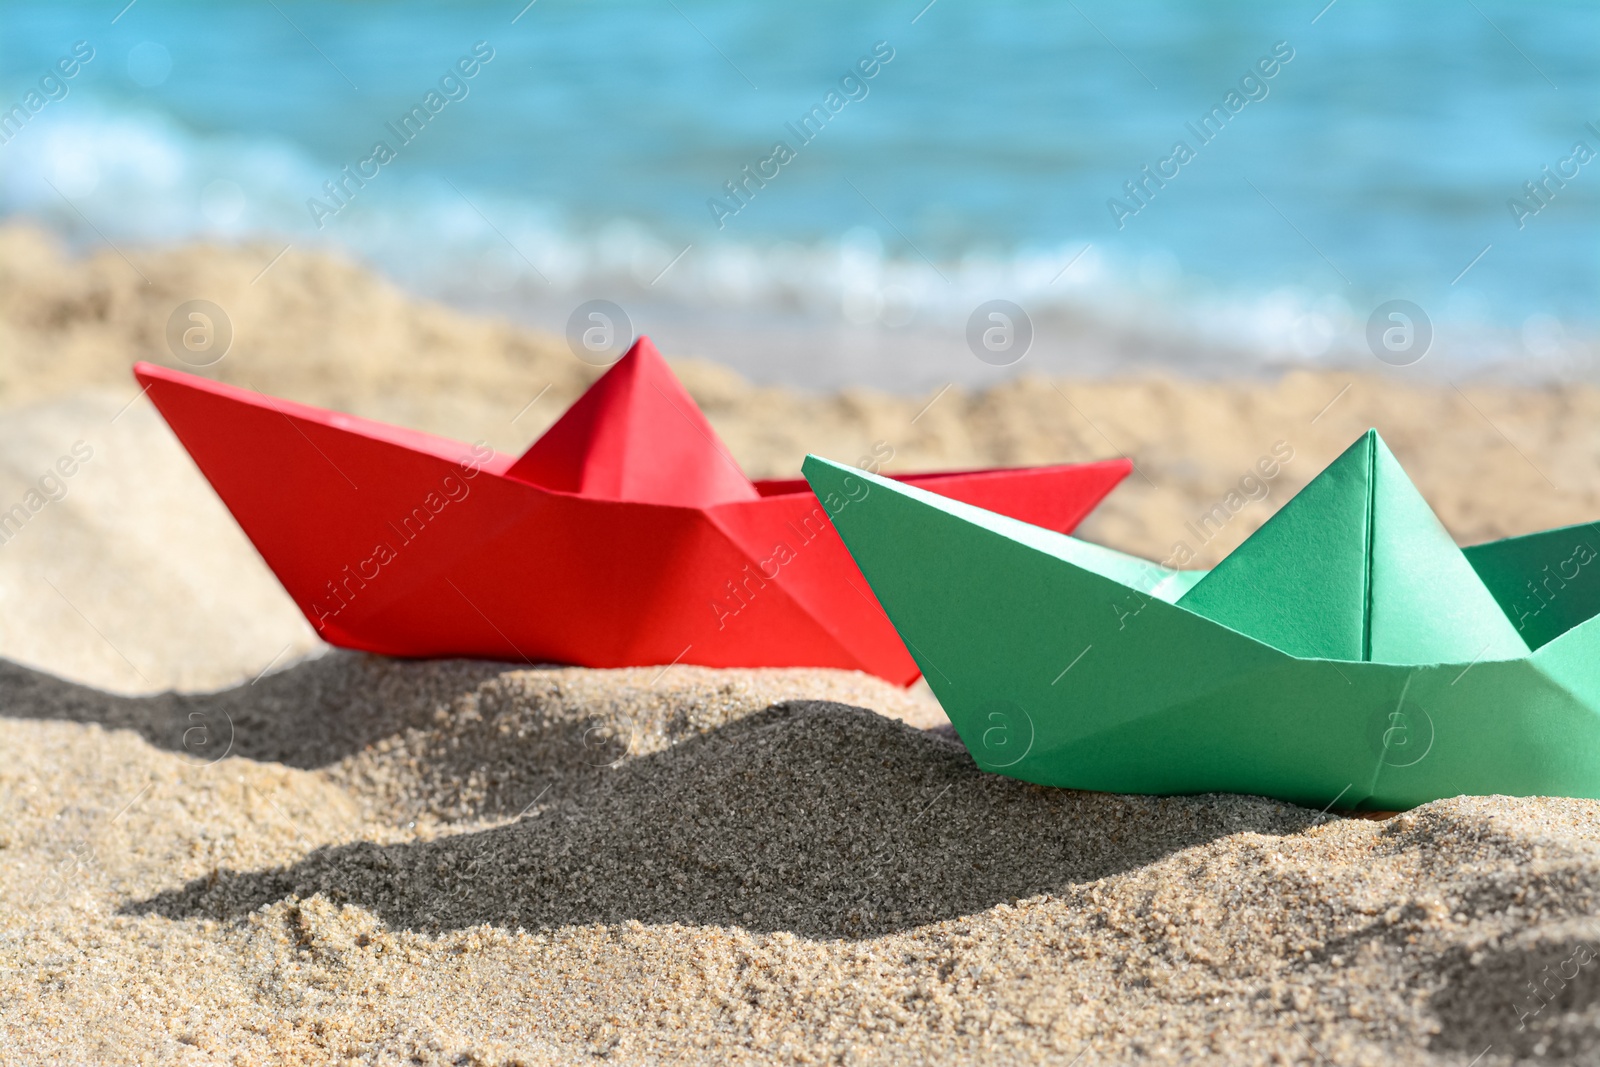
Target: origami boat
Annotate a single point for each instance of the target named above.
(1348, 653)
(625, 536)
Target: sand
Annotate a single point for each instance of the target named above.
(223, 843)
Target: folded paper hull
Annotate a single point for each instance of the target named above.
(1056, 674)
(401, 543)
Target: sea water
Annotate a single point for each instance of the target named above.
(824, 194)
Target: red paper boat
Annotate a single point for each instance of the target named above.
(625, 536)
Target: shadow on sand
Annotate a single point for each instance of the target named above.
(816, 818)
(820, 819)
(311, 714)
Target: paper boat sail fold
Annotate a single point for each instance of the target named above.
(1357, 567)
(1347, 654)
(636, 434)
(626, 536)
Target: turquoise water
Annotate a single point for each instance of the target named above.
(1377, 161)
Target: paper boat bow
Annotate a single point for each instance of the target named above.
(625, 536)
(1347, 653)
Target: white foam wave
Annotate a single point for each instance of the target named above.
(92, 172)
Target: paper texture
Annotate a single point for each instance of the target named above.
(625, 536)
(1347, 653)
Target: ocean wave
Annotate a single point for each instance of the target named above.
(98, 172)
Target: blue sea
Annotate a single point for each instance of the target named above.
(822, 194)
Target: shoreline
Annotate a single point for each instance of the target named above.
(812, 349)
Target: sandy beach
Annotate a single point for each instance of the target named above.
(221, 842)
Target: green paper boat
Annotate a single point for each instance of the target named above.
(1348, 653)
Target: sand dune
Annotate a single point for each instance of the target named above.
(747, 877)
